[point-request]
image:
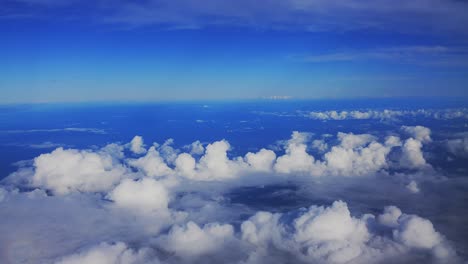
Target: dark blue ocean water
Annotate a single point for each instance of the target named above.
(29, 130)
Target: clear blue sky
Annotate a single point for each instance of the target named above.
(55, 51)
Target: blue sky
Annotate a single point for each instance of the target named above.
(55, 51)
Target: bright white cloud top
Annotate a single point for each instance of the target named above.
(165, 205)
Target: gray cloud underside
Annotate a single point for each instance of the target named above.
(154, 203)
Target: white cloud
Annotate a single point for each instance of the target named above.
(412, 156)
(213, 165)
(413, 187)
(320, 145)
(137, 145)
(458, 146)
(66, 170)
(387, 114)
(186, 211)
(414, 231)
(420, 133)
(196, 148)
(168, 152)
(152, 164)
(332, 235)
(143, 196)
(296, 159)
(190, 240)
(105, 253)
(262, 160)
(390, 216)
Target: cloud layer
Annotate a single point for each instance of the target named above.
(129, 204)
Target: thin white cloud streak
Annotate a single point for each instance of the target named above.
(67, 129)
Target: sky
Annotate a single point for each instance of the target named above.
(80, 51)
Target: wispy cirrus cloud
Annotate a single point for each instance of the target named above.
(430, 16)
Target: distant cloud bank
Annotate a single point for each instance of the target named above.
(388, 114)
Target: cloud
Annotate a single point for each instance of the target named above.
(66, 170)
(152, 164)
(262, 160)
(53, 130)
(331, 235)
(105, 253)
(137, 146)
(413, 187)
(420, 133)
(419, 55)
(151, 208)
(296, 159)
(143, 196)
(190, 241)
(196, 148)
(387, 114)
(318, 16)
(458, 146)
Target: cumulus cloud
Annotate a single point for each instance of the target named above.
(459, 145)
(67, 170)
(137, 146)
(196, 148)
(190, 240)
(105, 253)
(262, 160)
(145, 196)
(296, 159)
(152, 164)
(176, 208)
(331, 235)
(420, 133)
(413, 187)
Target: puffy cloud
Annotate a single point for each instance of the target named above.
(183, 209)
(196, 148)
(412, 156)
(152, 164)
(296, 159)
(320, 145)
(262, 160)
(350, 140)
(357, 155)
(105, 253)
(390, 216)
(137, 146)
(414, 231)
(143, 196)
(66, 170)
(331, 235)
(413, 187)
(420, 133)
(185, 165)
(458, 146)
(168, 152)
(190, 240)
(213, 165)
